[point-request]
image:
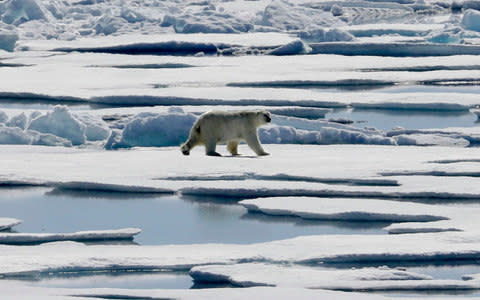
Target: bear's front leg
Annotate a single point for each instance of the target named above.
(210, 147)
(254, 143)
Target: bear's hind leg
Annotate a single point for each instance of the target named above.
(254, 144)
(210, 147)
(232, 147)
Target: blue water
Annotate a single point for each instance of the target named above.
(409, 119)
(119, 280)
(163, 219)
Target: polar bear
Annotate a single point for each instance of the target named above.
(229, 127)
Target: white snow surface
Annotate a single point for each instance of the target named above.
(10, 289)
(7, 223)
(74, 257)
(275, 175)
(245, 80)
(28, 238)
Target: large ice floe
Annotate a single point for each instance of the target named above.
(339, 171)
(60, 257)
(366, 279)
(10, 289)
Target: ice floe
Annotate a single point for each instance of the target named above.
(365, 279)
(338, 167)
(7, 223)
(279, 79)
(93, 235)
(460, 136)
(344, 209)
(329, 249)
(11, 289)
(413, 217)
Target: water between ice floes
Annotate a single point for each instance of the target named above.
(168, 220)
(163, 219)
(386, 120)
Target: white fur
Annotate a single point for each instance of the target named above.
(230, 127)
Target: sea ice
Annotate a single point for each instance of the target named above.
(365, 279)
(345, 209)
(93, 235)
(10, 289)
(330, 249)
(7, 223)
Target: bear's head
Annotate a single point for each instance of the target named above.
(263, 117)
(185, 149)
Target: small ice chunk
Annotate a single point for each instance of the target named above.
(8, 39)
(3, 117)
(21, 11)
(19, 121)
(6, 223)
(292, 48)
(62, 123)
(430, 140)
(471, 20)
(14, 136)
(158, 130)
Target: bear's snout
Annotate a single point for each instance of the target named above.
(186, 152)
(268, 119)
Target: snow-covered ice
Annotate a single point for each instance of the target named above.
(139, 171)
(343, 209)
(74, 257)
(365, 279)
(93, 235)
(10, 289)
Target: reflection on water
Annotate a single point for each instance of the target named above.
(410, 119)
(123, 280)
(163, 219)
